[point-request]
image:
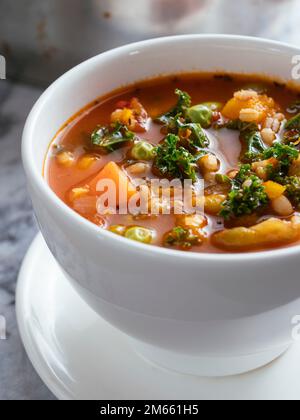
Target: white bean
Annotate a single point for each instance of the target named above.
(249, 115)
(282, 206)
(268, 136)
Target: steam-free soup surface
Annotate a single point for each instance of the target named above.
(239, 135)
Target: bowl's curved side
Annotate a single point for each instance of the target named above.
(103, 73)
(184, 301)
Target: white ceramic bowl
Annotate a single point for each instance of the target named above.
(198, 313)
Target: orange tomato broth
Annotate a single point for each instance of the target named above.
(156, 96)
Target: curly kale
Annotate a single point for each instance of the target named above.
(246, 196)
(285, 155)
(292, 184)
(283, 152)
(173, 160)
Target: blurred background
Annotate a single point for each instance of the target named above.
(40, 40)
(43, 38)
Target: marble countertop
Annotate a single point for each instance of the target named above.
(18, 380)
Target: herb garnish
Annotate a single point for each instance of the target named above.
(292, 184)
(285, 155)
(173, 160)
(247, 194)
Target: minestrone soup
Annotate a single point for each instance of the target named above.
(236, 137)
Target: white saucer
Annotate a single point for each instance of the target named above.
(79, 356)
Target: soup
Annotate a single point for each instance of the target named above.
(236, 137)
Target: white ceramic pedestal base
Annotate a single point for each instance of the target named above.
(79, 356)
(209, 367)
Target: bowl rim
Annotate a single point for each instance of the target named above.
(46, 192)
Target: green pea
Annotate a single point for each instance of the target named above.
(117, 229)
(139, 234)
(143, 150)
(200, 114)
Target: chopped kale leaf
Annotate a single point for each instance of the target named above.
(292, 184)
(282, 152)
(197, 139)
(112, 137)
(173, 160)
(241, 126)
(251, 139)
(285, 155)
(176, 121)
(254, 145)
(246, 196)
(183, 103)
(293, 123)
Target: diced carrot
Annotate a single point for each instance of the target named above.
(112, 172)
(261, 104)
(233, 108)
(274, 190)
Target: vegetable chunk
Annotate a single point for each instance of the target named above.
(273, 189)
(112, 172)
(272, 232)
(132, 114)
(248, 106)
